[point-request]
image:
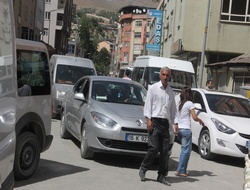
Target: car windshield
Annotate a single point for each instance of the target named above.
(178, 79)
(68, 74)
(229, 105)
(118, 92)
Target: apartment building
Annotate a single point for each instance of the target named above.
(29, 16)
(189, 32)
(133, 33)
(57, 24)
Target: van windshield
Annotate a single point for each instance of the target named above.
(68, 74)
(178, 79)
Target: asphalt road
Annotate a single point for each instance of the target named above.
(61, 167)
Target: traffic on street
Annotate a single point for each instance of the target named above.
(61, 167)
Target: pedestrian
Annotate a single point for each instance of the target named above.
(127, 74)
(209, 84)
(160, 111)
(185, 110)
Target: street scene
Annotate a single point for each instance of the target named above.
(124, 94)
(61, 167)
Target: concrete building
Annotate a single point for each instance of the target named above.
(29, 16)
(57, 24)
(132, 34)
(185, 36)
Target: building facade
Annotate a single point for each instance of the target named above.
(133, 33)
(29, 16)
(57, 24)
(225, 36)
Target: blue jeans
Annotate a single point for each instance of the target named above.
(185, 136)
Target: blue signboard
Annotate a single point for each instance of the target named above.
(152, 47)
(158, 29)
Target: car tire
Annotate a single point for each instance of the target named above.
(27, 155)
(63, 130)
(86, 153)
(204, 146)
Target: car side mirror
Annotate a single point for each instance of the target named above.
(79, 96)
(197, 106)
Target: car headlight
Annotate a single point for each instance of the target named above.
(103, 120)
(222, 127)
(60, 95)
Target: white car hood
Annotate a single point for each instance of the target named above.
(239, 124)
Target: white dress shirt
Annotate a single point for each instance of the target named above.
(160, 102)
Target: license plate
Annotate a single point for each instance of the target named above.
(137, 138)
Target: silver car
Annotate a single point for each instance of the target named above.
(106, 115)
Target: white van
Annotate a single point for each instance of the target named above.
(147, 68)
(65, 72)
(8, 91)
(123, 70)
(33, 111)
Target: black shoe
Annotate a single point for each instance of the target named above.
(142, 175)
(163, 179)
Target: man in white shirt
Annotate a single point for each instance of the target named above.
(160, 112)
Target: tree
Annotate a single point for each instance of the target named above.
(102, 61)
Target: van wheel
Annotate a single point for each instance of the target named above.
(63, 130)
(86, 153)
(27, 155)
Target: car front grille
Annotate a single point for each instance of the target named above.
(246, 136)
(134, 130)
(243, 149)
(136, 146)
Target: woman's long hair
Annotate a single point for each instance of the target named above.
(186, 95)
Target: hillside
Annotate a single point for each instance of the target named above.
(113, 5)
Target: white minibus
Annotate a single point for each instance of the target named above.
(147, 68)
(65, 72)
(33, 106)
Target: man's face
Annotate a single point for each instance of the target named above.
(164, 76)
(210, 85)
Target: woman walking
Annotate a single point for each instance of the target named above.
(186, 109)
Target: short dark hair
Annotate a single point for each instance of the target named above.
(127, 73)
(208, 81)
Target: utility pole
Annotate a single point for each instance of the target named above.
(204, 45)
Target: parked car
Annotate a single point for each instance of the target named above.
(106, 115)
(226, 117)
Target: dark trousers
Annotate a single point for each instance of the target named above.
(158, 141)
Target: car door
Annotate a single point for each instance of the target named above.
(71, 111)
(195, 126)
(79, 106)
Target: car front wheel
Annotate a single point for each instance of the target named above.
(86, 153)
(27, 155)
(204, 145)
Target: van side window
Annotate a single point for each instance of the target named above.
(32, 73)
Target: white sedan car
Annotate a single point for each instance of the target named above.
(227, 123)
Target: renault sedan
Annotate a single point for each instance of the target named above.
(226, 117)
(106, 115)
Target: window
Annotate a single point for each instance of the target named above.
(236, 11)
(33, 72)
(48, 1)
(45, 32)
(47, 15)
(138, 23)
(137, 34)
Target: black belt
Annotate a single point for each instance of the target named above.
(160, 119)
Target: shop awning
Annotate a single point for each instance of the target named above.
(242, 60)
